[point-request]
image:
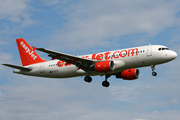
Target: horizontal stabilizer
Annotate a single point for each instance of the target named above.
(17, 67)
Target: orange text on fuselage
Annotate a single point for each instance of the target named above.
(105, 56)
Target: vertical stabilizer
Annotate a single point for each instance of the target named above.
(27, 54)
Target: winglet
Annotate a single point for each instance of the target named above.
(34, 48)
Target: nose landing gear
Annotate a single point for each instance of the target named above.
(153, 68)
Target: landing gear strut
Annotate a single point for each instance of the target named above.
(106, 83)
(153, 68)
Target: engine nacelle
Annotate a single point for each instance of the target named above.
(104, 66)
(118, 64)
(129, 74)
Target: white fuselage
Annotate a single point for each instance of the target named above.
(124, 59)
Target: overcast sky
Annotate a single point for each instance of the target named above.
(81, 27)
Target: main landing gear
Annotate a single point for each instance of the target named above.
(104, 83)
(153, 68)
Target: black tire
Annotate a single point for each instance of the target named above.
(87, 79)
(154, 73)
(105, 84)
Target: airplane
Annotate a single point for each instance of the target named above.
(121, 63)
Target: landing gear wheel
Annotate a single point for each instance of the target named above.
(154, 73)
(153, 68)
(87, 79)
(105, 84)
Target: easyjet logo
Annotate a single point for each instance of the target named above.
(113, 55)
(28, 51)
(105, 56)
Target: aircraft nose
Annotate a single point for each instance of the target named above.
(173, 55)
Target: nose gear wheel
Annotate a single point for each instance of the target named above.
(154, 73)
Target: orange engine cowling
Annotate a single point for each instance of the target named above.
(129, 74)
(104, 66)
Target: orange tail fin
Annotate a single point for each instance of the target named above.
(27, 54)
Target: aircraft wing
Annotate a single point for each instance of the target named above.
(18, 67)
(70, 59)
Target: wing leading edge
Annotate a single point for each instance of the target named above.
(70, 59)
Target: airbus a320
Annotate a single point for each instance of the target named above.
(121, 63)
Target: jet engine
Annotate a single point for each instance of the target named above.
(129, 74)
(104, 66)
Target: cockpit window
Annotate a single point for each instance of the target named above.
(163, 49)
